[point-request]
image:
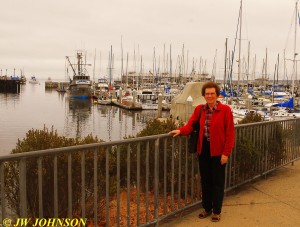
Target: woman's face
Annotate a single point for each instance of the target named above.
(210, 96)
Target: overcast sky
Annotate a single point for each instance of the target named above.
(37, 35)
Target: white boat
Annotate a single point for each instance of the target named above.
(33, 80)
(104, 101)
(239, 111)
(148, 99)
(281, 113)
(102, 85)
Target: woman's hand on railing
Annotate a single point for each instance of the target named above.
(224, 159)
(175, 132)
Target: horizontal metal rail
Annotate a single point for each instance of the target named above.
(133, 182)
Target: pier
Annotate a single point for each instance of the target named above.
(10, 85)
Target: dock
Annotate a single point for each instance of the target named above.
(54, 85)
(8, 85)
(130, 106)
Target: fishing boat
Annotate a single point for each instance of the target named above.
(80, 85)
(33, 80)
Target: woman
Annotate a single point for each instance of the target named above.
(216, 141)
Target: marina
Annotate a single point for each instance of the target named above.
(35, 107)
(79, 82)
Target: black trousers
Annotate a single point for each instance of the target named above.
(212, 179)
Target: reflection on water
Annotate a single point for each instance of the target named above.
(79, 113)
(34, 107)
(107, 122)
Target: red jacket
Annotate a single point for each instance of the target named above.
(221, 129)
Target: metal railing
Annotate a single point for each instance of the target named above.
(133, 182)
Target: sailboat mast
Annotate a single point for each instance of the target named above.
(94, 65)
(127, 69)
(266, 68)
(240, 47)
(248, 62)
(225, 63)
(254, 68)
(295, 54)
(171, 63)
(122, 73)
(284, 66)
(110, 66)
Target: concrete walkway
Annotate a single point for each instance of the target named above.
(274, 201)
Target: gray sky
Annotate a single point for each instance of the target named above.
(37, 35)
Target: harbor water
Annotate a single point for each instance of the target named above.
(35, 107)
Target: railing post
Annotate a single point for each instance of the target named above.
(22, 180)
(156, 178)
(193, 177)
(128, 185)
(3, 201)
(294, 142)
(179, 173)
(186, 172)
(83, 184)
(40, 185)
(118, 186)
(147, 181)
(107, 186)
(266, 148)
(173, 174)
(138, 181)
(69, 185)
(55, 186)
(95, 187)
(165, 176)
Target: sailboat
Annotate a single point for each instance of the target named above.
(81, 85)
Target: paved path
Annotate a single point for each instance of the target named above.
(274, 201)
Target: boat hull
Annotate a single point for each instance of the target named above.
(80, 91)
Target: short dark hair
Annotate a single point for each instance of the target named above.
(210, 84)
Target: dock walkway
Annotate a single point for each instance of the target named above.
(274, 201)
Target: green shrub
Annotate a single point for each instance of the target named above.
(251, 118)
(247, 157)
(45, 139)
(155, 127)
(275, 144)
